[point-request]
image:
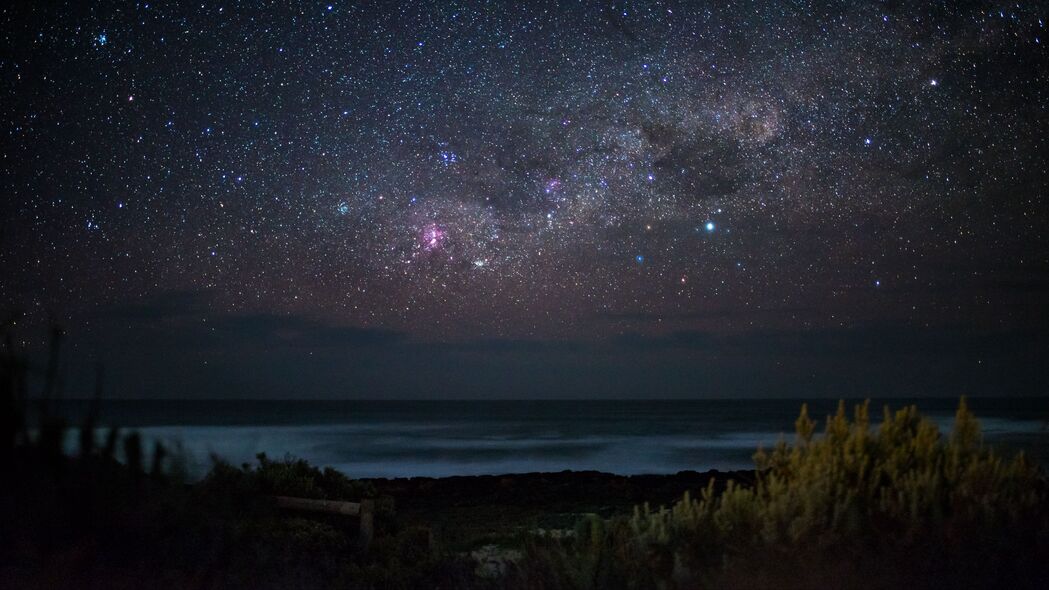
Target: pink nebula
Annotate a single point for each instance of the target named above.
(432, 237)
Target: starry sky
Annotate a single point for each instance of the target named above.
(530, 199)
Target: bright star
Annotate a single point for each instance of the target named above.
(448, 157)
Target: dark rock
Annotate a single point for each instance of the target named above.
(560, 491)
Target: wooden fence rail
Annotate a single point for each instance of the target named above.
(365, 510)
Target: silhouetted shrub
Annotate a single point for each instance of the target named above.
(287, 477)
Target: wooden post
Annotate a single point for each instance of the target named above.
(311, 505)
(367, 523)
(365, 510)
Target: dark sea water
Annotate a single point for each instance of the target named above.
(431, 438)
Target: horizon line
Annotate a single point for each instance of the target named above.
(540, 399)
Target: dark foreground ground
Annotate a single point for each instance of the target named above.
(900, 505)
(469, 511)
(91, 522)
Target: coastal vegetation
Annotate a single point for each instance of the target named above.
(851, 503)
(857, 506)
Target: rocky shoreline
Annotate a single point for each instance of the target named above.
(473, 511)
(551, 490)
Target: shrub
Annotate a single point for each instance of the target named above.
(287, 477)
(835, 508)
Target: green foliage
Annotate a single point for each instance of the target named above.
(900, 493)
(287, 477)
(903, 481)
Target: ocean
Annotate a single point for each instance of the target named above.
(444, 438)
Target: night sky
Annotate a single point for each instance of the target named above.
(530, 199)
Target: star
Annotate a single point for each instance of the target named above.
(452, 172)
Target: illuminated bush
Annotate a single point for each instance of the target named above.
(901, 480)
(900, 495)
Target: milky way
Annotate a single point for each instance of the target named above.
(535, 171)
